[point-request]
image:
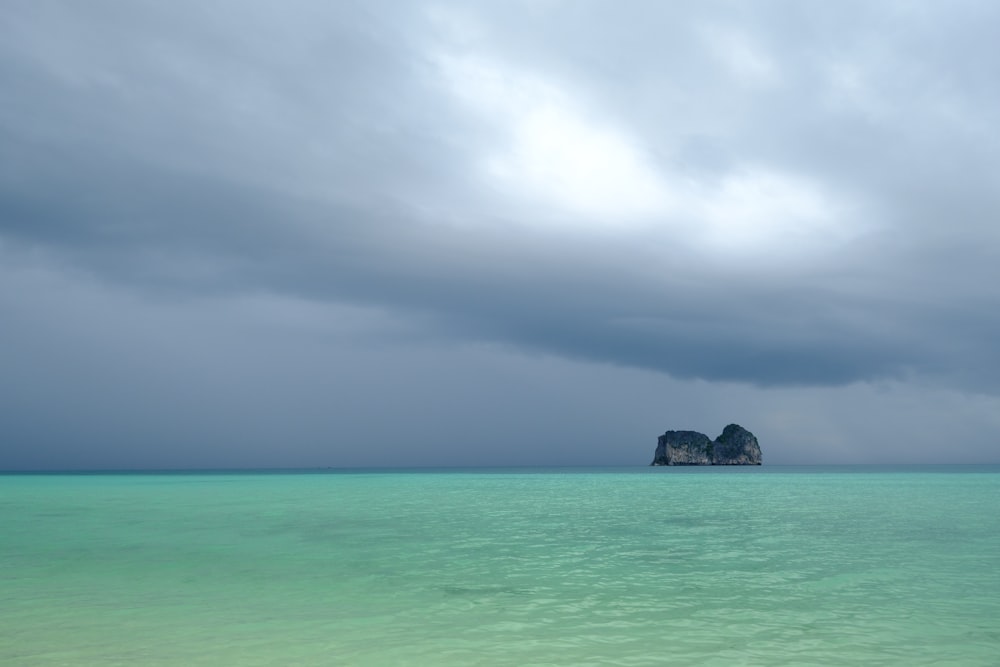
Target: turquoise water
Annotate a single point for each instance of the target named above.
(732, 566)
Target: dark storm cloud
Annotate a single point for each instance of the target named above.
(777, 194)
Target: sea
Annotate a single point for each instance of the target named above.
(723, 566)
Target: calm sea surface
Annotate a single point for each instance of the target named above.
(645, 566)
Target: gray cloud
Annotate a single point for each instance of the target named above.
(789, 197)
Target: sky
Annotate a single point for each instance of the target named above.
(296, 234)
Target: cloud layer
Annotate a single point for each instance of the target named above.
(215, 212)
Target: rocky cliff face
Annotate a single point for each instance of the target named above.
(683, 448)
(736, 446)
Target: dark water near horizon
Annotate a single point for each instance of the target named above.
(770, 565)
(978, 468)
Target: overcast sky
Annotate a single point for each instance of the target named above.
(457, 233)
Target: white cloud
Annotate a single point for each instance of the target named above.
(580, 170)
(759, 209)
(555, 164)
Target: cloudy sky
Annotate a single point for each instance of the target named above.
(240, 233)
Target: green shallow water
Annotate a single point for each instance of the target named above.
(733, 566)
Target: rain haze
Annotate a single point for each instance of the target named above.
(249, 234)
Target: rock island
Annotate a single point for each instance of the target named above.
(735, 447)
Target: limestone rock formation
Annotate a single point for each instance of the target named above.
(683, 448)
(736, 446)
